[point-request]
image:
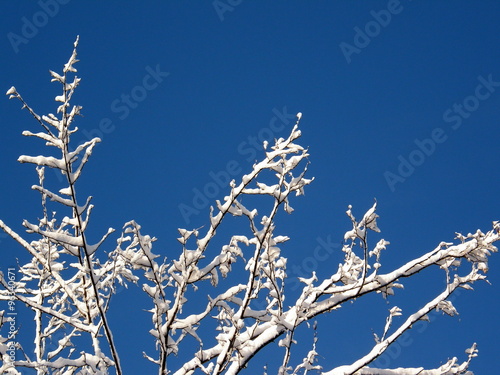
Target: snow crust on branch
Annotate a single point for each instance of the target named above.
(68, 283)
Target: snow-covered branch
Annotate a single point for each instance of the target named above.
(68, 282)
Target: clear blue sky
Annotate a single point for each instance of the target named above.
(400, 102)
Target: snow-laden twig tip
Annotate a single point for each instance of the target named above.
(12, 91)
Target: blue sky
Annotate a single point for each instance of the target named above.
(400, 102)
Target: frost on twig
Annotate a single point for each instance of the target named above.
(68, 282)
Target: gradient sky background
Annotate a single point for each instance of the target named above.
(229, 73)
